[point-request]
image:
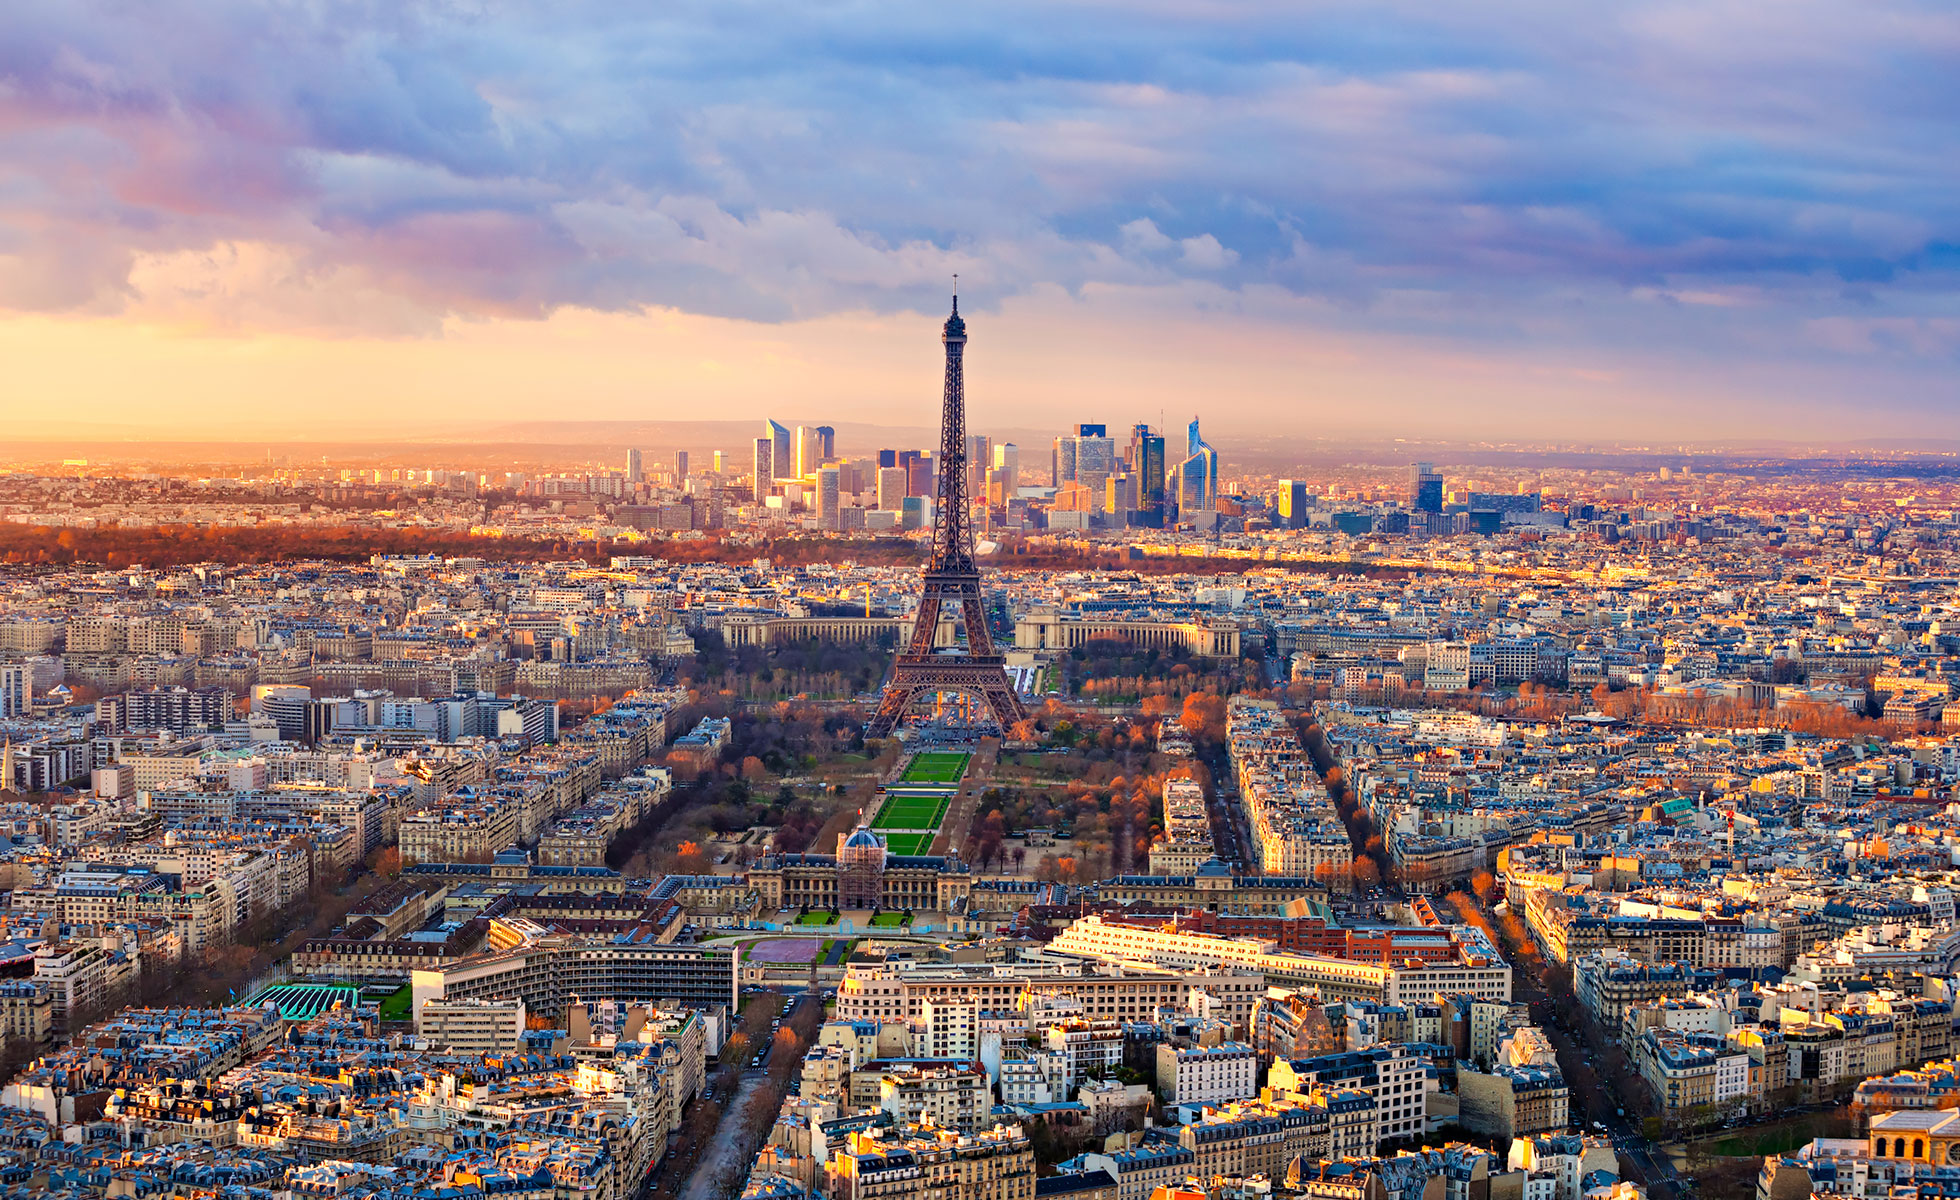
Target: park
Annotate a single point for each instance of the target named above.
(909, 818)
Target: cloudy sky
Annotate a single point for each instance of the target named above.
(1713, 218)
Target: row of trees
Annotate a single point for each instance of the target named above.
(1013, 555)
(1549, 701)
(219, 973)
(1798, 716)
(1507, 932)
(1114, 671)
(1111, 818)
(1603, 1068)
(757, 1116)
(179, 545)
(734, 791)
(704, 1124)
(821, 669)
(1372, 866)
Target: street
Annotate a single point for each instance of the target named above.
(1640, 1159)
(1231, 838)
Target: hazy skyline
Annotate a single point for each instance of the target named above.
(1689, 220)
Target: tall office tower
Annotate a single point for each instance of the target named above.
(979, 456)
(1147, 464)
(826, 443)
(830, 487)
(1120, 493)
(1073, 498)
(1193, 485)
(680, 466)
(1425, 488)
(891, 488)
(721, 463)
(887, 458)
(1197, 475)
(782, 460)
(709, 510)
(1101, 431)
(808, 452)
(1007, 459)
(1062, 466)
(999, 490)
(1095, 461)
(16, 689)
(919, 474)
(635, 467)
(1292, 504)
(765, 467)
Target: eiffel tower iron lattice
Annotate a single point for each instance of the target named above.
(951, 581)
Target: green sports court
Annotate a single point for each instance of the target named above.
(912, 810)
(909, 818)
(936, 766)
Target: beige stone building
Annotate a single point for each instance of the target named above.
(914, 1161)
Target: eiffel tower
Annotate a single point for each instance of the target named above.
(952, 580)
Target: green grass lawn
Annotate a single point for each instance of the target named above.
(909, 818)
(911, 812)
(909, 843)
(395, 1007)
(937, 766)
(888, 919)
(1782, 1136)
(817, 918)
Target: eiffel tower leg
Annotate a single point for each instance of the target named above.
(978, 640)
(1007, 707)
(891, 709)
(925, 630)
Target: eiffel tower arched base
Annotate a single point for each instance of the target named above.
(917, 678)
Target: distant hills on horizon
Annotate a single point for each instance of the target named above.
(571, 441)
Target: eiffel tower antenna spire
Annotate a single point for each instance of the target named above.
(951, 579)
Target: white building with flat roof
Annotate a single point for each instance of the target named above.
(472, 1026)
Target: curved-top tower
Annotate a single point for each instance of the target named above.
(1197, 475)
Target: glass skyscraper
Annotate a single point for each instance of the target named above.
(1425, 488)
(765, 467)
(782, 456)
(1197, 475)
(1147, 465)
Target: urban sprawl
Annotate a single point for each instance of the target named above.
(1531, 831)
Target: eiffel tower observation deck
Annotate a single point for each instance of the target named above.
(951, 581)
